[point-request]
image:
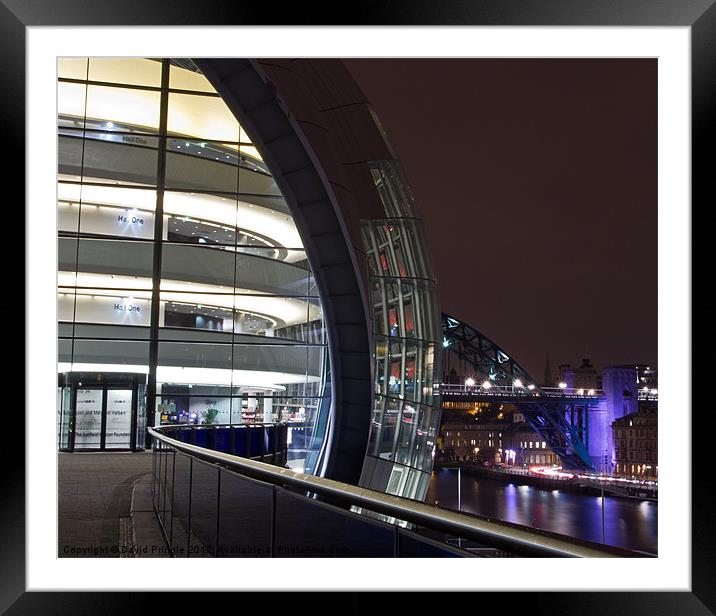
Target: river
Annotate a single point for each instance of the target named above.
(628, 523)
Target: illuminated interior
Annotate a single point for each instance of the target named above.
(182, 279)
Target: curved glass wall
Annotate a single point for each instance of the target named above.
(183, 286)
(406, 330)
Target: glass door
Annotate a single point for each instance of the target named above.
(88, 418)
(118, 418)
(64, 417)
(98, 411)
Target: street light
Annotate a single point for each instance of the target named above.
(517, 383)
(486, 385)
(470, 382)
(562, 385)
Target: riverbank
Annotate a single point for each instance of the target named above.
(541, 482)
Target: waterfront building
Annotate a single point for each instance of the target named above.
(238, 244)
(636, 443)
(493, 436)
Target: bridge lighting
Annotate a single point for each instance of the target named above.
(563, 385)
(580, 392)
(517, 383)
(590, 392)
(531, 386)
(470, 382)
(486, 385)
(446, 343)
(654, 392)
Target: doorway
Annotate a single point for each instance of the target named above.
(99, 411)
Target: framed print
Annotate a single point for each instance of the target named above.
(321, 293)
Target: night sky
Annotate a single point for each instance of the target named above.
(537, 183)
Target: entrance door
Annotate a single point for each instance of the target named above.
(88, 418)
(98, 412)
(118, 419)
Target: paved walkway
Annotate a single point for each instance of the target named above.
(105, 506)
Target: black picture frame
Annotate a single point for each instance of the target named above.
(699, 15)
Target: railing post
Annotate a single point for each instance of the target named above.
(154, 472)
(188, 522)
(272, 544)
(218, 510)
(171, 520)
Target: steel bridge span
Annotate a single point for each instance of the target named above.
(551, 412)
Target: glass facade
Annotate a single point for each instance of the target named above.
(406, 330)
(184, 292)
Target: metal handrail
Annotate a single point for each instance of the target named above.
(511, 538)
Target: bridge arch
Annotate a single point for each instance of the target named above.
(546, 412)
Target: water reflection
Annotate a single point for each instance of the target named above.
(631, 524)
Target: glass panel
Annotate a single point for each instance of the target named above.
(141, 416)
(118, 196)
(117, 221)
(204, 494)
(71, 100)
(184, 79)
(72, 68)
(212, 267)
(180, 518)
(413, 545)
(407, 431)
(245, 517)
(331, 532)
(388, 426)
(167, 490)
(131, 71)
(88, 420)
(109, 158)
(256, 183)
(155, 474)
(127, 308)
(293, 363)
(122, 108)
(220, 269)
(159, 483)
(68, 216)
(112, 258)
(205, 117)
(64, 410)
(197, 405)
(110, 356)
(193, 165)
(212, 360)
(119, 419)
(252, 153)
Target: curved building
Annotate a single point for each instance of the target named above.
(237, 244)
